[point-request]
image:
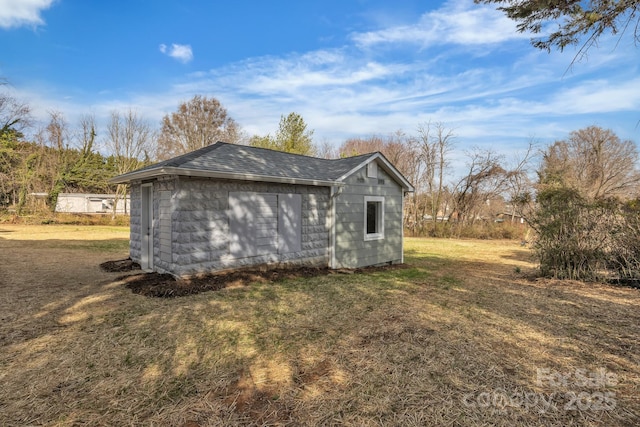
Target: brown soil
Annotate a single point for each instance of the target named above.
(167, 286)
(120, 266)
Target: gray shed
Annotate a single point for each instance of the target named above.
(227, 206)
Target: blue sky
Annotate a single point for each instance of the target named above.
(351, 68)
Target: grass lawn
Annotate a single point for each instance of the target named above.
(462, 336)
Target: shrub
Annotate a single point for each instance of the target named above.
(625, 260)
(585, 239)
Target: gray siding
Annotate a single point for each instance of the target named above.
(352, 250)
(289, 223)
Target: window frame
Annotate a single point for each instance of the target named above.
(379, 234)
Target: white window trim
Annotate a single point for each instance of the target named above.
(380, 234)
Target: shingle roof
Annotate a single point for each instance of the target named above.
(222, 159)
(242, 159)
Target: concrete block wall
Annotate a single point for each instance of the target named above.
(163, 191)
(135, 238)
(200, 226)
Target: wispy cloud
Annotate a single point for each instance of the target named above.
(458, 22)
(18, 13)
(594, 96)
(181, 52)
(355, 90)
(341, 96)
(318, 69)
(346, 94)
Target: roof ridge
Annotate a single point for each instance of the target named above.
(301, 155)
(280, 151)
(178, 160)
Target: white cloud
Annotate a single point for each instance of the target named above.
(290, 75)
(181, 52)
(598, 96)
(18, 13)
(458, 22)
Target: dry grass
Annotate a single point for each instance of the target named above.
(45, 216)
(423, 345)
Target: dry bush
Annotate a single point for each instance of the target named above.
(483, 230)
(46, 217)
(582, 239)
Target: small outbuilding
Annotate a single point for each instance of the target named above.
(227, 206)
(91, 203)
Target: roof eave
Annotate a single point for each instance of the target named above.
(168, 171)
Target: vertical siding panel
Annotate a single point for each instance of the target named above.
(352, 250)
(253, 224)
(289, 223)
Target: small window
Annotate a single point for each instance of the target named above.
(373, 218)
(372, 170)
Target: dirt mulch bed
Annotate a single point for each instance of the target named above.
(120, 266)
(167, 286)
(628, 283)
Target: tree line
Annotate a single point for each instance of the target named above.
(79, 157)
(63, 158)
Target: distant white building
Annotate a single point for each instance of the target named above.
(91, 203)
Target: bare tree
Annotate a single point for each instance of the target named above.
(88, 170)
(594, 161)
(436, 142)
(357, 146)
(15, 116)
(404, 152)
(519, 183)
(77, 167)
(57, 131)
(326, 150)
(87, 132)
(485, 180)
(129, 140)
(57, 136)
(199, 122)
